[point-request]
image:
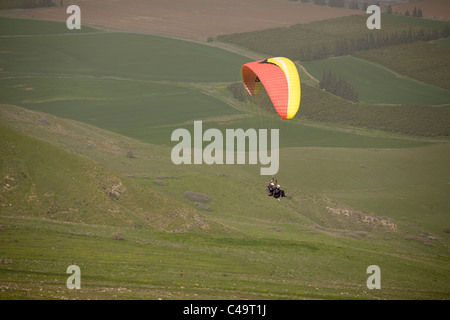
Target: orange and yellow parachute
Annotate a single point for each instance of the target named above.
(280, 78)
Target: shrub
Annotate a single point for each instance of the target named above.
(198, 197)
(118, 235)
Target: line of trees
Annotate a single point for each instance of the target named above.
(416, 13)
(260, 102)
(334, 37)
(336, 3)
(371, 40)
(238, 91)
(25, 4)
(330, 3)
(338, 86)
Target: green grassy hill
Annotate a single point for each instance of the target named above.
(86, 178)
(399, 85)
(42, 181)
(124, 82)
(337, 37)
(376, 84)
(414, 61)
(329, 230)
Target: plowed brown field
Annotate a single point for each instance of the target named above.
(190, 18)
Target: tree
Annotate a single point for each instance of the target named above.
(354, 4)
(407, 13)
(338, 86)
(389, 8)
(419, 13)
(365, 6)
(414, 14)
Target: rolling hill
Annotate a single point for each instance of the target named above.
(214, 241)
(42, 181)
(87, 179)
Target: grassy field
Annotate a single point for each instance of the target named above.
(407, 189)
(140, 227)
(443, 42)
(420, 22)
(101, 54)
(84, 77)
(321, 106)
(153, 265)
(129, 107)
(336, 37)
(377, 84)
(413, 60)
(20, 27)
(231, 250)
(391, 81)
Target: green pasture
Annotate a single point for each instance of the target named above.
(443, 42)
(413, 21)
(323, 256)
(21, 27)
(423, 61)
(292, 134)
(244, 235)
(151, 111)
(125, 55)
(335, 37)
(154, 265)
(127, 107)
(406, 184)
(119, 81)
(86, 178)
(321, 259)
(377, 84)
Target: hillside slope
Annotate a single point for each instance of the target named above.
(234, 241)
(140, 227)
(41, 180)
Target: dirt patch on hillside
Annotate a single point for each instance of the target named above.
(433, 9)
(360, 218)
(190, 18)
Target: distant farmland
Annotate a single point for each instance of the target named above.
(336, 37)
(413, 75)
(411, 119)
(197, 19)
(125, 55)
(377, 84)
(433, 9)
(126, 107)
(75, 193)
(119, 81)
(413, 60)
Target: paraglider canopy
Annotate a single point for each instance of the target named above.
(280, 78)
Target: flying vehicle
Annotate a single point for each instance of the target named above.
(280, 78)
